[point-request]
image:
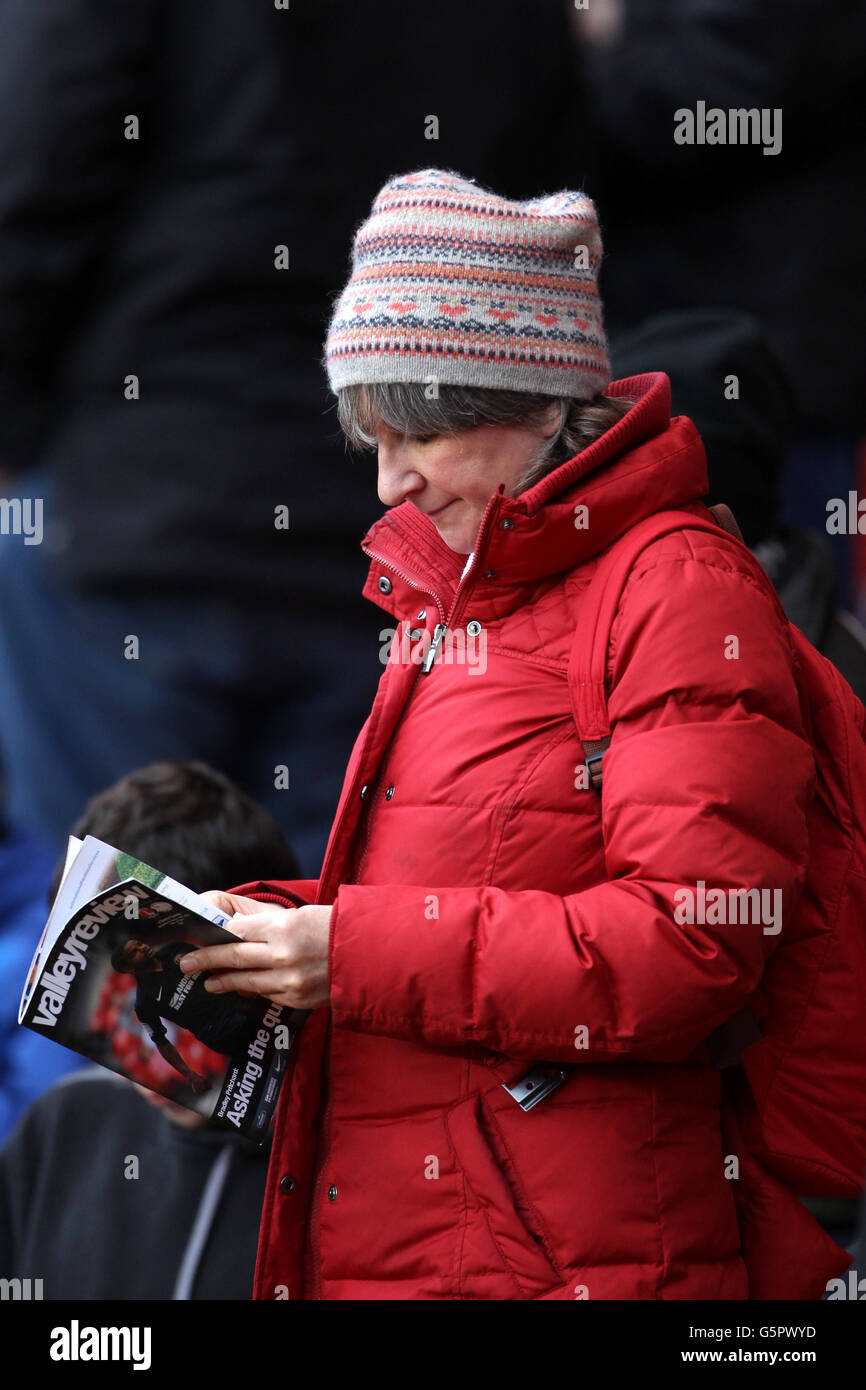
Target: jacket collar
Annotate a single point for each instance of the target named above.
(643, 464)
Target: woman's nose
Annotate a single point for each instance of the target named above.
(397, 475)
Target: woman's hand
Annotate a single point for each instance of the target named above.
(283, 955)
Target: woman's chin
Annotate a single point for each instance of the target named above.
(455, 537)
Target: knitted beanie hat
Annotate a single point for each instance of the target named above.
(454, 284)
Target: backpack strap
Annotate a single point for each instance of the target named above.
(588, 665)
(587, 686)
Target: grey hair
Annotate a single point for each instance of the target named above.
(409, 409)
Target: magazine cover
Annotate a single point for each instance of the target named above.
(105, 981)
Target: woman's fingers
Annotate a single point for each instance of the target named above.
(273, 956)
(246, 981)
(231, 903)
(261, 934)
(233, 955)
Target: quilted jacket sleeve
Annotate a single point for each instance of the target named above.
(707, 780)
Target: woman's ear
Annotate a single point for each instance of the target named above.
(554, 418)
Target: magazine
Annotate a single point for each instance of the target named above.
(104, 981)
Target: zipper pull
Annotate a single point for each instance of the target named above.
(438, 633)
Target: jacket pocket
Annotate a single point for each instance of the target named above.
(496, 1198)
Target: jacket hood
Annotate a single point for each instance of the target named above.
(645, 462)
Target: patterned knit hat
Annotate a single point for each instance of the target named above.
(452, 283)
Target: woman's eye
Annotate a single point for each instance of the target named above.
(423, 438)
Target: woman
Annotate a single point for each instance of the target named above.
(480, 908)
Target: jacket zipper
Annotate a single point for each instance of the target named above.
(321, 1164)
(443, 625)
(460, 595)
(413, 583)
(280, 900)
(438, 636)
(440, 628)
(318, 1181)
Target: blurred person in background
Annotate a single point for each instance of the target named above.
(725, 376)
(28, 1063)
(181, 817)
(776, 235)
(178, 188)
(183, 1221)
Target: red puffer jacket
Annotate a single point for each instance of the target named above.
(489, 913)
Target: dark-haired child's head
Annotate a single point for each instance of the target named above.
(191, 822)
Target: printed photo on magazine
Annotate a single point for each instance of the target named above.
(105, 982)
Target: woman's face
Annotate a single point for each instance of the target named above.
(451, 478)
